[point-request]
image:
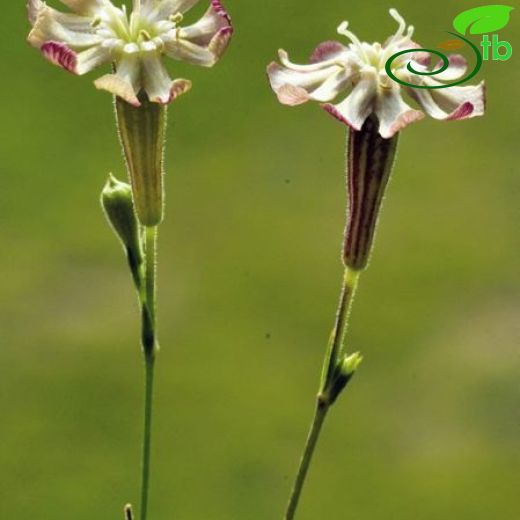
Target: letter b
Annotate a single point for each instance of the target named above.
(496, 45)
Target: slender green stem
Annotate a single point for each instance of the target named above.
(312, 439)
(337, 339)
(149, 346)
(333, 356)
(147, 439)
(151, 262)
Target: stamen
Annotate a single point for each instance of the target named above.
(400, 20)
(145, 35)
(176, 18)
(343, 30)
(284, 58)
(96, 21)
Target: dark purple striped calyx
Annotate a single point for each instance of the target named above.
(369, 164)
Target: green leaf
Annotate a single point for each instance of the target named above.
(484, 19)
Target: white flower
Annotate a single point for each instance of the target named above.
(335, 68)
(97, 32)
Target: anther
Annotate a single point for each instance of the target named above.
(176, 18)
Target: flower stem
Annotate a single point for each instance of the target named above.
(147, 438)
(149, 347)
(328, 393)
(337, 339)
(312, 439)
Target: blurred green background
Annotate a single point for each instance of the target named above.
(249, 279)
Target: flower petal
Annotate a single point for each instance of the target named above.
(393, 113)
(157, 83)
(358, 105)
(61, 55)
(91, 58)
(296, 87)
(173, 6)
(187, 51)
(33, 8)
(457, 66)
(328, 50)
(126, 82)
(205, 56)
(450, 103)
(51, 25)
(156, 10)
(83, 6)
(205, 41)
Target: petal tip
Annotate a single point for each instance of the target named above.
(61, 55)
(334, 112)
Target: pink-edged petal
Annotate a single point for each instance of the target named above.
(203, 31)
(393, 113)
(51, 25)
(61, 55)
(358, 105)
(157, 83)
(421, 57)
(125, 82)
(328, 50)
(207, 56)
(205, 41)
(179, 87)
(457, 66)
(450, 103)
(294, 87)
(219, 43)
(76, 62)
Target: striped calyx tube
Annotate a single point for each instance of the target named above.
(370, 158)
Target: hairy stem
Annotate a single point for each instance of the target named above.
(335, 352)
(149, 347)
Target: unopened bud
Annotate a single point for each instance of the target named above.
(370, 161)
(116, 199)
(129, 514)
(345, 369)
(351, 363)
(141, 131)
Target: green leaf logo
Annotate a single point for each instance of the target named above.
(484, 19)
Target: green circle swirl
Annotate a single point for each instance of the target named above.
(445, 65)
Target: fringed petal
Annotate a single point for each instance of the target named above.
(76, 62)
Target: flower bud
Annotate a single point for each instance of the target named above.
(350, 364)
(141, 131)
(116, 199)
(345, 369)
(129, 514)
(370, 161)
